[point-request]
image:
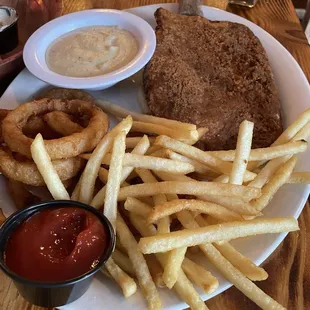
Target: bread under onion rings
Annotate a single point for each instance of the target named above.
(64, 147)
(28, 173)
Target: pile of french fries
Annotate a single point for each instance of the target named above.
(221, 199)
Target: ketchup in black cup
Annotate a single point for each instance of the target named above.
(52, 250)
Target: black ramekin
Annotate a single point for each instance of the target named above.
(52, 294)
(9, 36)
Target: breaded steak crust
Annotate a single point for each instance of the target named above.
(215, 75)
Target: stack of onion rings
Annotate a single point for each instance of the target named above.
(69, 127)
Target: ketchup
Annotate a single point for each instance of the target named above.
(56, 245)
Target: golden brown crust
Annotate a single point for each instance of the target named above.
(28, 173)
(62, 123)
(215, 75)
(3, 114)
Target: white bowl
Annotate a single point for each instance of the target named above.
(37, 44)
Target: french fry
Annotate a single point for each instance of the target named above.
(119, 246)
(105, 272)
(192, 205)
(268, 171)
(126, 283)
(119, 111)
(187, 292)
(105, 161)
(189, 136)
(200, 276)
(123, 262)
(268, 153)
(188, 188)
(199, 167)
(174, 260)
(155, 163)
(155, 270)
(281, 176)
(131, 142)
(91, 170)
(139, 264)
(249, 269)
(103, 175)
(293, 129)
(137, 207)
(172, 197)
(222, 178)
(299, 177)
(241, 262)
(243, 150)
(114, 178)
(140, 148)
(163, 225)
(232, 203)
(183, 286)
(232, 274)
(148, 200)
(45, 166)
(298, 130)
(153, 149)
(150, 162)
(163, 153)
(214, 233)
(173, 266)
(303, 133)
(212, 162)
(202, 131)
(140, 224)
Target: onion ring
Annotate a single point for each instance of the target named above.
(28, 173)
(35, 125)
(61, 123)
(20, 195)
(67, 94)
(3, 114)
(65, 147)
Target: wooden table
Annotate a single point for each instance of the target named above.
(288, 267)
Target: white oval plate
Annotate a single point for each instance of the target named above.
(289, 201)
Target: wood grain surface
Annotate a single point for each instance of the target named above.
(288, 267)
(32, 14)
